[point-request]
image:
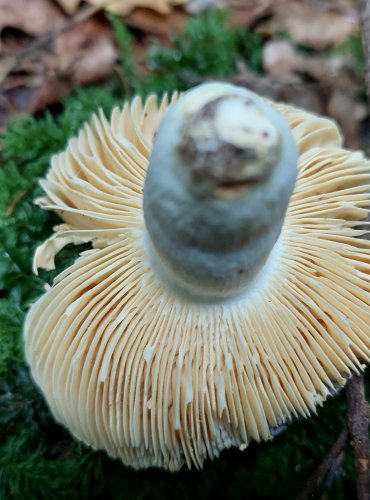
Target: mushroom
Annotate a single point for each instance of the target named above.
(229, 299)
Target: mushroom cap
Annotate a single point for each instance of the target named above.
(132, 368)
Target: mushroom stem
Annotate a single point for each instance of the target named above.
(219, 180)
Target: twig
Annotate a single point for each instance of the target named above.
(365, 29)
(123, 80)
(358, 427)
(15, 201)
(337, 463)
(328, 465)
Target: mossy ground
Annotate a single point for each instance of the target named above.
(39, 459)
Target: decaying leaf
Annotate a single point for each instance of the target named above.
(247, 12)
(34, 18)
(243, 13)
(69, 6)
(317, 25)
(281, 60)
(336, 82)
(39, 74)
(196, 6)
(155, 24)
(123, 7)
(84, 53)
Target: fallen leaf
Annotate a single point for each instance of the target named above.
(245, 12)
(69, 6)
(349, 113)
(153, 23)
(33, 17)
(281, 60)
(39, 74)
(305, 95)
(337, 82)
(317, 25)
(318, 97)
(124, 7)
(84, 54)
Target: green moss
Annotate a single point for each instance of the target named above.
(38, 458)
(207, 49)
(353, 48)
(124, 41)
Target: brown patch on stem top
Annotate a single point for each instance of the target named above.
(211, 158)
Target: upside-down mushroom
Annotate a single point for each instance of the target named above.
(229, 298)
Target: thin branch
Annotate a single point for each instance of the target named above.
(358, 427)
(327, 466)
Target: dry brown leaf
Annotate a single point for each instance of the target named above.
(69, 6)
(84, 53)
(33, 17)
(348, 112)
(153, 23)
(304, 95)
(124, 7)
(38, 75)
(337, 82)
(317, 25)
(281, 61)
(245, 12)
(314, 96)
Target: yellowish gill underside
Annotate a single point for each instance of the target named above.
(154, 379)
